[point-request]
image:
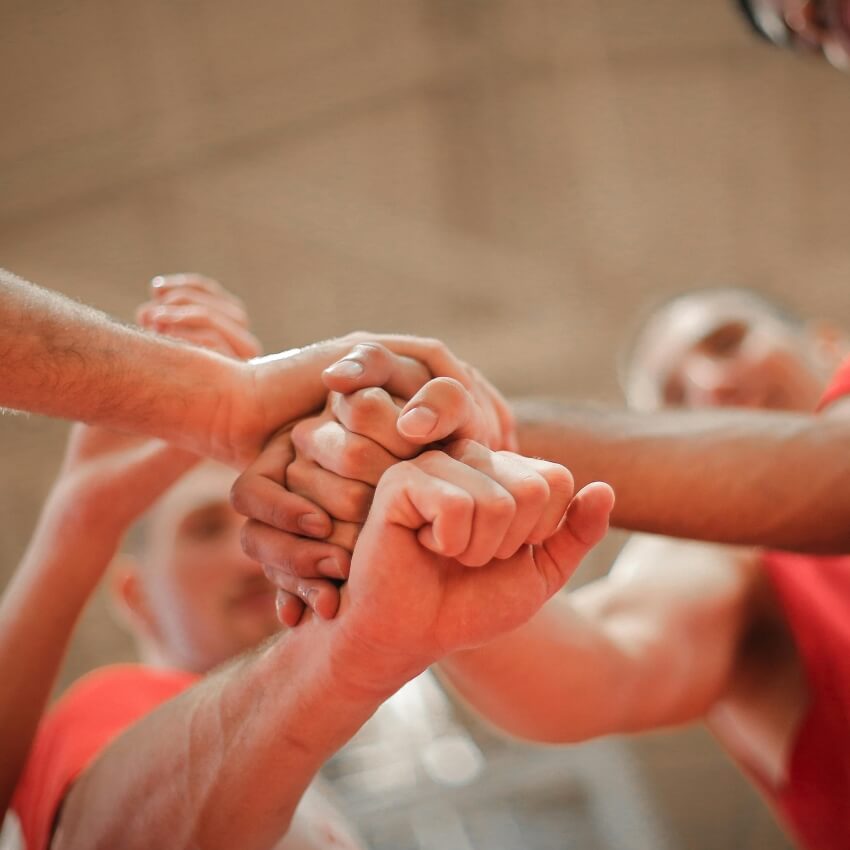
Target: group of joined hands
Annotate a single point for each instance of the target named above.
(398, 514)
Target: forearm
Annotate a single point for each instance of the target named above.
(770, 479)
(38, 612)
(560, 678)
(225, 764)
(61, 358)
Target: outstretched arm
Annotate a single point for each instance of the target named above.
(652, 644)
(733, 476)
(61, 358)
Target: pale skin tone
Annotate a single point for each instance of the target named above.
(424, 561)
(679, 631)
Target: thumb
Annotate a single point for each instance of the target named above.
(584, 525)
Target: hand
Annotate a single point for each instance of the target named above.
(331, 445)
(274, 392)
(109, 478)
(334, 461)
(458, 549)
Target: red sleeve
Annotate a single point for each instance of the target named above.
(93, 712)
(838, 387)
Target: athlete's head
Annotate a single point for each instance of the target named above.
(814, 26)
(193, 598)
(728, 347)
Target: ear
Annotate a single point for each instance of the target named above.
(831, 345)
(128, 602)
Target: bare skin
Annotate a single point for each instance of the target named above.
(64, 359)
(679, 631)
(426, 556)
(108, 478)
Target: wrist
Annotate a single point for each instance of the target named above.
(363, 669)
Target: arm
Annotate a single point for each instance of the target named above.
(733, 476)
(107, 480)
(61, 358)
(652, 644)
(64, 359)
(226, 763)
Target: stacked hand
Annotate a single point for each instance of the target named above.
(461, 543)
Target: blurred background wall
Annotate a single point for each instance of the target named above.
(517, 177)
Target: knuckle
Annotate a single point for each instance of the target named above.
(240, 495)
(500, 507)
(303, 433)
(458, 507)
(532, 489)
(249, 538)
(353, 456)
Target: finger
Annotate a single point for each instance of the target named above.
(584, 525)
(200, 338)
(337, 450)
(298, 556)
(289, 608)
(186, 296)
(259, 493)
(319, 595)
(345, 534)
(526, 481)
(342, 498)
(494, 506)
(442, 408)
(264, 500)
(370, 364)
(431, 353)
(161, 285)
(439, 512)
(372, 413)
(561, 486)
(174, 320)
(505, 437)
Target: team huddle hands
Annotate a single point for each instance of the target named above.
(399, 510)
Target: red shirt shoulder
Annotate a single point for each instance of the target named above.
(815, 595)
(96, 709)
(838, 387)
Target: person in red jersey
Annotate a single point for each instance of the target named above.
(754, 643)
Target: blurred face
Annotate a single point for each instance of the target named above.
(205, 599)
(723, 350)
(820, 26)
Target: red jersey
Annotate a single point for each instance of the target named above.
(815, 595)
(93, 712)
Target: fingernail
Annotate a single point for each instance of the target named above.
(314, 524)
(330, 568)
(158, 282)
(418, 422)
(345, 369)
(307, 593)
(273, 573)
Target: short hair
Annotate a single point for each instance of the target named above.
(765, 303)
